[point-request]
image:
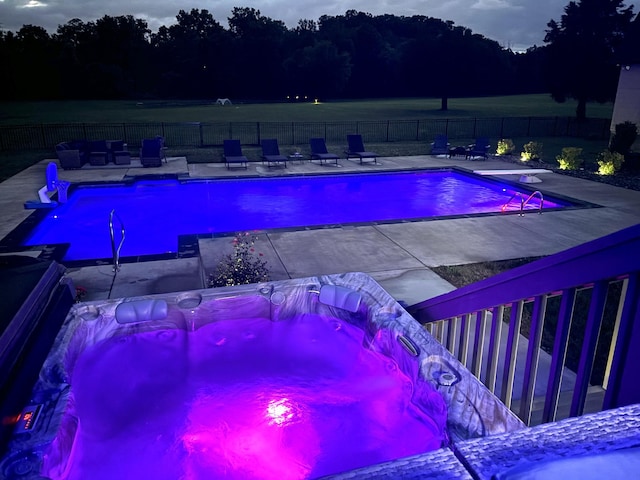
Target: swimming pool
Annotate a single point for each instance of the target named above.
(156, 213)
(294, 379)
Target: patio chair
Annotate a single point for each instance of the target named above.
(440, 145)
(233, 154)
(319, 151)
(478, 149)
(271, 153)
(163, 148)
(98, 152)
(356, 149)
(71, 155)
(151, 153)
(118, 153)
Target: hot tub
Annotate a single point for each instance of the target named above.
(291, 379)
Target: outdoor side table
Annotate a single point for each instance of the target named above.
(296, 157)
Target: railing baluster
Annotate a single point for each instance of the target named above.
(515, 320)
(494, 347)
(558, 355)
(533, 357)
(439, 331)
(585, 365)
(453, 335)
(463, 350)
(478, 343)
(616, 332)
(624, 362)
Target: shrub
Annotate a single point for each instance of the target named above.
(570, 159)
(623, 137)
(242, 266)
(532, 151)
(609, 162)
(505, 147)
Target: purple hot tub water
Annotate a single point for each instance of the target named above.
(294, 379)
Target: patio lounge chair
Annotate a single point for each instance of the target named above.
(150, 153)
(356, 148)
(319, 151)
(478, 149)
(233, 154)
(271, 153)
(440, 145)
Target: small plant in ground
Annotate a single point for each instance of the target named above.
(241, 267)
(609, 162)
(531, 151)
(570, 159)
(505, 147)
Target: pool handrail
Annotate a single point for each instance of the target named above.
(116, 251)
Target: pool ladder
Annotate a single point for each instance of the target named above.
(116, 251)
(524, 202)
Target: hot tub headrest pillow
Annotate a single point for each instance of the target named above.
(141, 311)
(340, 297)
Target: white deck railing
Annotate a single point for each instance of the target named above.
(554, 338)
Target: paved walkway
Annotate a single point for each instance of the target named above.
(397, 255)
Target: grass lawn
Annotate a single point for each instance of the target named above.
(541, 105)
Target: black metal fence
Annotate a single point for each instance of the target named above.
(201, 134)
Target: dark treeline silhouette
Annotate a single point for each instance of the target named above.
(355, 55)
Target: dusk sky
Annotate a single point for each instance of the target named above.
(516, 24)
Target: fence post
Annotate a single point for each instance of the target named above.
(293, 133)
(387, 134)
(446, 127)
(417, 130)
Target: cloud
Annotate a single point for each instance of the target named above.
(33, 4)
(495, 5)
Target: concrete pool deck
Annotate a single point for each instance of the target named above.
(398, 255)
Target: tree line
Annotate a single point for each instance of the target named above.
(355, 55)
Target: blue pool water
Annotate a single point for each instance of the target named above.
(156, 212)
